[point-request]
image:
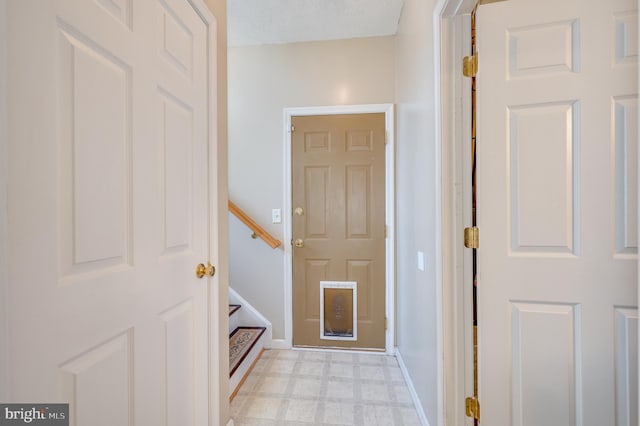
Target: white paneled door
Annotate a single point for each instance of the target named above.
(557, 211)
(109, 209)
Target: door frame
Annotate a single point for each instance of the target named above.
(217, 286)
(388, 110)
(452, 39)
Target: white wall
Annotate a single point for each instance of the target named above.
(417, 158)
(263, 80)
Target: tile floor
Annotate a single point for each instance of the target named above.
(289, 388)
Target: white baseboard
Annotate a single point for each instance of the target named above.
(412, 390)
(340, 350)
(279, 344)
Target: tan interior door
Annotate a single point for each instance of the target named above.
(339, 227)
(557, 211)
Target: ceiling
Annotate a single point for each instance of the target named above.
(254, 22)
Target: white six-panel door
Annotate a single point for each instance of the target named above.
(557, 211)
(108, 209)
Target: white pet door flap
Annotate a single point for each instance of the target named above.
(338, 310)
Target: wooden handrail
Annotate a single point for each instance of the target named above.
(258, 231)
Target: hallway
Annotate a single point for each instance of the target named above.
(324, 388)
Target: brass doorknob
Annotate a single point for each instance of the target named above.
(202, 270)
(298, 243)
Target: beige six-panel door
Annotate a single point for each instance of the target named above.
(338, 205)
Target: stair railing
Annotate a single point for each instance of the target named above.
(258, 231)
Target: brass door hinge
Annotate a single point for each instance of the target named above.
(385, 323)
(293, 128)
(470, 66)
(386, 137)
(473, 407)
(472, 237)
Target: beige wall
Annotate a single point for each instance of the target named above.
(263, 80)
(417, 291)
(400, 69)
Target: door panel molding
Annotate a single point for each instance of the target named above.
(388, 110)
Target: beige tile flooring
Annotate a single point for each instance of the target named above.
(324, 388)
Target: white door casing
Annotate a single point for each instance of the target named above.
(557, 211)
(109, 209)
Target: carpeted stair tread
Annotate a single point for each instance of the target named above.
(241, 341)
(233, 309)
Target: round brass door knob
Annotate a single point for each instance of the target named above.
(298, 243)
(202, 270)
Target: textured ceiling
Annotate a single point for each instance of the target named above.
(253, 22)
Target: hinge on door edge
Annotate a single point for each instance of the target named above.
(472, 237)
(472, 406)
(470, 66)
(293, 128)
(385, 323)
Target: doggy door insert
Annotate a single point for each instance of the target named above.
(338, 310)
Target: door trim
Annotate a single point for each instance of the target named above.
(217, 317)
(452, 38)
(388, 110)
(218, 293)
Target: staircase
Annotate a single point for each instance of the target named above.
(249, 333)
